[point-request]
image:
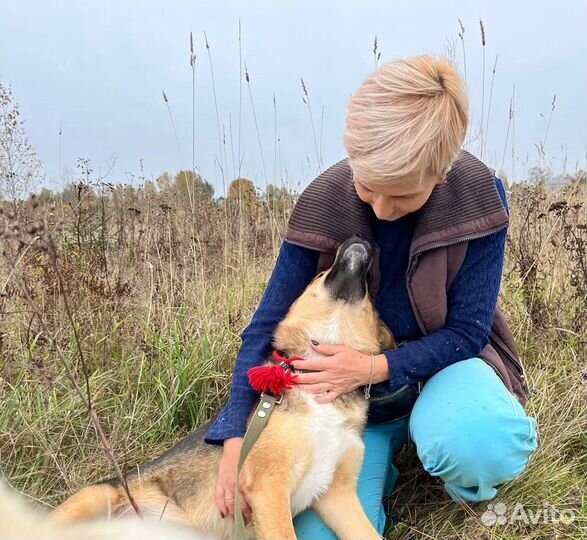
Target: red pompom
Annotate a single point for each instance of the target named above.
(271, 379)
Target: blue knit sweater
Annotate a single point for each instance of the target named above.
(472, 299)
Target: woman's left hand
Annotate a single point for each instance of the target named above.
(342, 370)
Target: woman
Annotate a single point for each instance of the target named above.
(439, 220)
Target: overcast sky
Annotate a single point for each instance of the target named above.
(97, 68)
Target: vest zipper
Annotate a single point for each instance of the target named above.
(419, 252)
(516, 364)
(468, 238)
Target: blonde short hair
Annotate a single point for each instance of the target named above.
(411, 114)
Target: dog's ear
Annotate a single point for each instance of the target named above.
(290, 339)
(386, 339)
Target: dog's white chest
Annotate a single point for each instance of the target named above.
(330, 440)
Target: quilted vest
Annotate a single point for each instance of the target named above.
(467, 207)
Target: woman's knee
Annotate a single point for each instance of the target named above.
(496, 452)
(482, 435)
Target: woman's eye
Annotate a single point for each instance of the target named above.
(364, 188)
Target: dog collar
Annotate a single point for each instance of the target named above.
(273, 379)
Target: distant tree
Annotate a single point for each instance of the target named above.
(19, 164)
(275, 193)
(150, 187)
(193, 185)
(76, 193)
(163, 181)
(578, 178)
(540, 176)
(243, 190)
(46, 196)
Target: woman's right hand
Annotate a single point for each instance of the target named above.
(225, 485)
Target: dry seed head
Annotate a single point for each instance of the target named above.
(482, 32)
(304, 87)
(164, 96)
(192, 53)
(462, 32)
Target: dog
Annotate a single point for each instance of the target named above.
(20, 521)
(308, 455)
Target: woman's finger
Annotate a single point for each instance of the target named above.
(245, 506)
(219, 496)
(327, 397)
(327, 349)
(314, 377)
(316, 388)
(310, 365)
(229, 501)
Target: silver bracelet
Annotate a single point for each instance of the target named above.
(368, 387)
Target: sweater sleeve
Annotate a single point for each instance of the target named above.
(294, 269)
(472, 301)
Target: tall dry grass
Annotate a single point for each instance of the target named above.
(160, 289)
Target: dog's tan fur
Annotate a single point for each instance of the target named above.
(179, 486)
(19, 520)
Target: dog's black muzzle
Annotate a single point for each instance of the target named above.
(347, 280)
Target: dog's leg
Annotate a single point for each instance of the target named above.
(270, 502)
(94, 501)
(340, 507)
(157, 506)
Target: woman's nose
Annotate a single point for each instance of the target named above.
(382, 206)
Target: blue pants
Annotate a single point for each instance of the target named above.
(468, 429)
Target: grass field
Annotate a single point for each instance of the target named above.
(146, 290)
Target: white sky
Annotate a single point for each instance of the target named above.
(98, 68)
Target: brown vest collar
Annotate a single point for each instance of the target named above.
(468, 206)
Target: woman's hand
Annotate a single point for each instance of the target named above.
(225, 485)
(342, 370)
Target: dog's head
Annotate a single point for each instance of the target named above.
(336, 308)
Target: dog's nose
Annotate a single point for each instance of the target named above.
(356, 250)
(356, 255)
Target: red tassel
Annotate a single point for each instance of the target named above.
(271, 379)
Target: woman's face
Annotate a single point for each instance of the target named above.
(398, 197)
